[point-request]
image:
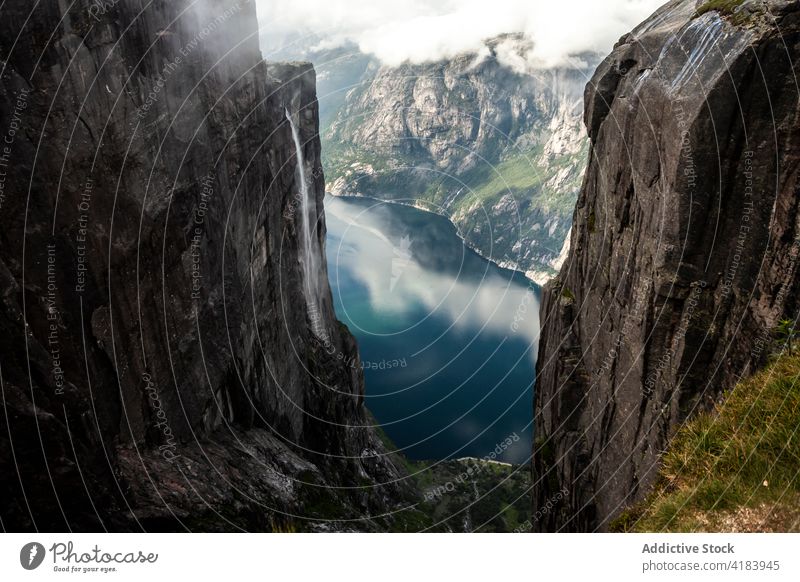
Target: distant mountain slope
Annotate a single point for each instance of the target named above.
(500, 152)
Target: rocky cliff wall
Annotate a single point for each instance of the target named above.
(158, 365)
(683, 254)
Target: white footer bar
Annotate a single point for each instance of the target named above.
(399, 557)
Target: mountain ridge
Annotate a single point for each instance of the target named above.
(495, 150)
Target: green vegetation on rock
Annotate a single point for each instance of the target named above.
(475, 495)
(463, 495)
(725, 7)
(736, 468)
(730, 9)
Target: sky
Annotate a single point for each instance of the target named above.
(398, 31)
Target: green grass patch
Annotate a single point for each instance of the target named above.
(724, 7)
(517, 174)
(742, 459)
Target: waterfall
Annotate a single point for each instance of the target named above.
(308, 255)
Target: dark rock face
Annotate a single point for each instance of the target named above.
(158, 366)
(684, 249)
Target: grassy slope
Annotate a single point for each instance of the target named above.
(516, 174)
(722, 6)
(736, 469)
(520, 175)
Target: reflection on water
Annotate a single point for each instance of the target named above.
(448, 340)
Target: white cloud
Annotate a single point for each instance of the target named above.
(491, 304)
(423, 30)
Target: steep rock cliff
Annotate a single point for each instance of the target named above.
(497, 149)
(159, 369)
(684, 248)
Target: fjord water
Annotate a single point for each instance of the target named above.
(447, 338)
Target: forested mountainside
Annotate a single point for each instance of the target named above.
(497, 149)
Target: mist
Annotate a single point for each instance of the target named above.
(417, 31)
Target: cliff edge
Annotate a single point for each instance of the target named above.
(684, 248)
(162, 368)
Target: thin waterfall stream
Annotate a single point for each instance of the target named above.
(308, 256)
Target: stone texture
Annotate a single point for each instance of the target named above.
(683, 254)
(148, 249)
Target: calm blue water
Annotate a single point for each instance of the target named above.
(448, 371)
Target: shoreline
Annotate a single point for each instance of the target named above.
(538, 278)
